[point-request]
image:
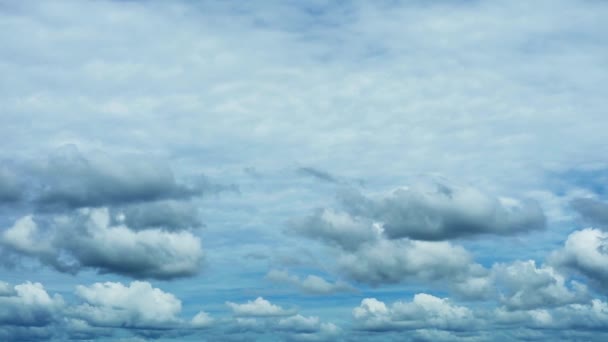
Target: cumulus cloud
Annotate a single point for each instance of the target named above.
(311, 284)
(259, 307)
(29, 312)
(525, 286)
(585, 251)
(262, 317)
(302, 328)
(28, 304)
(441, 212)
(137, 305)
(392, 261)
(202, 320)
(423, 312)
(88, 240)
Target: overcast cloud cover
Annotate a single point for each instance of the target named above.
(303, 170)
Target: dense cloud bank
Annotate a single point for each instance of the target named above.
(303, 170)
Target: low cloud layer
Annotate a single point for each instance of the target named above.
(28, 311)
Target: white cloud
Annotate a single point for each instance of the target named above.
(137, 305)
(202, 320)
(527, 286)
(392, 261)
(259, 307)
(423, 312)
(585, 251)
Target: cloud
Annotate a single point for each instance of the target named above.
(592, 210)
(9, 187)
(167, 214)
(262, 317)
(335, 228)
(586, 252)
(312, 284)
(393, 261)
(423, 312)
(88, 240)
(28, 312)
(259, 307)
(299, 324)
(443, 212)
(137, 305)
(317, 174)
(592, 316)
(69, 179)
(526, 286)
(202, 320)
(484, 92)
(28, 305)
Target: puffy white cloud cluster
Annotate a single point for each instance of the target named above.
(261, 316)
(101, 309)
(423, 312)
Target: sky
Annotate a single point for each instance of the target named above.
(303, 170)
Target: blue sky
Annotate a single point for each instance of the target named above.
(303, 171)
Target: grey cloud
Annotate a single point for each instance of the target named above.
(29, 304)
(317, 174)
(311, 284)
(88, 240)
(336, 228)
(592, 210)
(9, 186)
(446, 212)
(167, 214)
(70, 179)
